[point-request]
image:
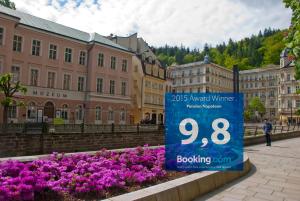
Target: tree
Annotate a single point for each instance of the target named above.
(292, 38)
(256, 106)
(8, 4)
(9, 89)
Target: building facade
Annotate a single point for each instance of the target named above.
(149, 81)
(289, 99)
(202, 76)
(70, 75)
(262, 83)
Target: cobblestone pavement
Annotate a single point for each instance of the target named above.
(275, 175)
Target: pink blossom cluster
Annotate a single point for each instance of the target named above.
(81, 174)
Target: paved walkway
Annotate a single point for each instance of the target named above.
(275, 175)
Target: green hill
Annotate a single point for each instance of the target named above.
(251, 52)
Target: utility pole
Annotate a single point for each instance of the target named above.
(236, 81)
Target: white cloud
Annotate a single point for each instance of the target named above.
(175, 22)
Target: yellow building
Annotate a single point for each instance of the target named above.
(149, 81)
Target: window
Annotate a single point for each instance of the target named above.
(207, 79)
(288, 90)
(31, 111)
(297, 103)
(288, 77)
(191, 80)
(17, 43)
(68, 55)
(52, 52)
(122, 115)
(82, 57)
(16, 73)
(80, 86)
(51, 79)
(148, 84)
(161, 87)
(183, 81)
(98, 113)
(99, 85)
(110, 115)
(36, 47)
(79, 113)
(289, 104)
(1, 65)
(1, 36)
(67, 82)
(100, 60)
(123, 88)
(112, 87)
(64, 112)
(113, 63)
(34, 77)
(12, 111)
(124, 65)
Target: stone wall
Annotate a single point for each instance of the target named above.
(33, 144)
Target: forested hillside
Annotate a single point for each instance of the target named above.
(256, 51)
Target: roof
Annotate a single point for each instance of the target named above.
(263, 69)
(52, 27)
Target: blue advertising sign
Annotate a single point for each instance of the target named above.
(204, 131)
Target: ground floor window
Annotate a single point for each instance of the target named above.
(79, 112)
(98, 113)
(32, 111)
(64, 112)
(12, 111)
(122, 115)
(110, 115)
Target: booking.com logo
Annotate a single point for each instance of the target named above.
(200, 159)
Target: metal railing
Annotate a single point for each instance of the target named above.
(256, 130)
(37, 128)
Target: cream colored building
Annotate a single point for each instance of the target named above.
(149, 81)
(202, 76)
(289, 100)
(262, 83)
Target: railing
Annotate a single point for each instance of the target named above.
(38, 128)
(258, 129)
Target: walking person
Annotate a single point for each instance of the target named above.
(267, 130)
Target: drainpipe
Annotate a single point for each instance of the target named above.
(87, 91)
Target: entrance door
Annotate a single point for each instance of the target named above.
(49, 110)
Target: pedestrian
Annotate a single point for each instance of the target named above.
(267, 130)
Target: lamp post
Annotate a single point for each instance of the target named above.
(291, 111)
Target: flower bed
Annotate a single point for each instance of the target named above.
(82, 176)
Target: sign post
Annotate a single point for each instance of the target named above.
(204, 131)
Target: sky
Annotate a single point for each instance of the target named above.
(191, 23)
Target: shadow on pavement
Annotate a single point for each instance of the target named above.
(227, 186)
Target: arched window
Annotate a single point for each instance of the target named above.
(79, 112)
(64, 112)
(98, 113)
(32, 111)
